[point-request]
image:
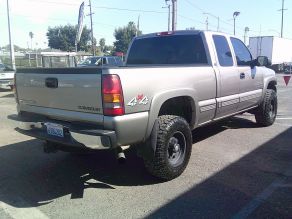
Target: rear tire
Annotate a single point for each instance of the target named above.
(173, 148)
(266, 113)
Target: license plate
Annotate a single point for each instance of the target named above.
(55, 129)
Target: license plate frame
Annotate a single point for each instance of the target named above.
(54, 129)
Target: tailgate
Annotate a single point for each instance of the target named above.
(70, 89)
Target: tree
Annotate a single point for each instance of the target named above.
(124, 36)
(63, 38)
(102, 44)
(31, 36)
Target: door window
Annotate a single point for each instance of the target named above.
(223, 51)
(243, 56)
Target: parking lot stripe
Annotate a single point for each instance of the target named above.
(283, 118)
(258, 200)
(246, 211)
(24, 213)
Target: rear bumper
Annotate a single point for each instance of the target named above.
(82, 136)
(115, 131)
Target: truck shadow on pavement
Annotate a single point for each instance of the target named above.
(205, 132)
(26, 173)
(258, 185)
(30, 178)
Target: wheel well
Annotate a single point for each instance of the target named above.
(180, 106)
(272, 85)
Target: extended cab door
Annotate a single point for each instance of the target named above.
(227, 76)
(251, 79)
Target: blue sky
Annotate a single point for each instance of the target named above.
(261, 16)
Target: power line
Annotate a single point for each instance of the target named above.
(195, 6)
(221, 21)
(103, 7)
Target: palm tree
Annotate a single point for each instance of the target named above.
(31, 36)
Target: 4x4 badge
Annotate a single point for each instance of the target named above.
(140, 100)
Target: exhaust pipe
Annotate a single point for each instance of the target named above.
(49, 147)
(120, 155)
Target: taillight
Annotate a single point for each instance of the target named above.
(113, 100)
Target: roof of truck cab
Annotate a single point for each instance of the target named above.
(182, 32)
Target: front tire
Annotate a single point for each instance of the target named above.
(173, 148)
(266, 113)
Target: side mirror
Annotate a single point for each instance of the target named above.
(263, 61)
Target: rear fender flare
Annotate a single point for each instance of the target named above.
(160, 98)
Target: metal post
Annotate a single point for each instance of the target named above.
(218, 24)
(92, 40)
(12, 57)
(174, 14)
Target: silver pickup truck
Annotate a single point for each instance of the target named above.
(172, 83)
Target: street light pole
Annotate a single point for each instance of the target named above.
(12, 57)
(235, 14)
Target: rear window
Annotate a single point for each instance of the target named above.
(177, 49)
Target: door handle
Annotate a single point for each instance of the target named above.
(242, 75)
(51, 82)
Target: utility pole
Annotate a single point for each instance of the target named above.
(174, 14)
(207, 24)
(218, 19)
(138, 26)
(246, 29)
(282, 22)
(92, 40)
(12, 57)
(168, 6)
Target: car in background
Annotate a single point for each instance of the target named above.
(6, 77)
(288, 68)
(101, 61)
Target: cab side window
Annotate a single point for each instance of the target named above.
(223, 50)
(243, 56)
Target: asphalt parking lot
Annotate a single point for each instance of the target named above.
(237, 170)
